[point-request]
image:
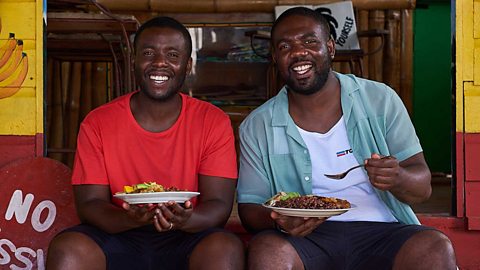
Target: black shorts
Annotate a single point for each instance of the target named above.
(145, 248)
(353, 245)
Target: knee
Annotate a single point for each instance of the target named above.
(437, 242)
(61, 244)
(433, 247)
(221, 242)
(228, 245)
(446, 247)
(72, 247)
(268, 242)
(269, 250)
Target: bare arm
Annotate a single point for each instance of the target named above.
(213, 207)
(408, 180)
(94, 206)
(255, 217)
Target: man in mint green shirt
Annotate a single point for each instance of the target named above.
(320, 122)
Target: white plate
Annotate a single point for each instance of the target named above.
(157, 197)
(309, 212)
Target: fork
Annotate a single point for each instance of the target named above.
(343, 174)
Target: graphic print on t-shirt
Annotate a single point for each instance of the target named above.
(344, 152)
(331, 153)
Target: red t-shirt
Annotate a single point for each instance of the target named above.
(113, 149)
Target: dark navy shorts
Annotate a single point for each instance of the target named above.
(145, 248)
(353, 245)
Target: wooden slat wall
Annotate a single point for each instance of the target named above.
(393, 64)
(74, 88)
(205, 6)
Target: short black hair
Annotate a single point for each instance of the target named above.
(165, 22)
(302, 11)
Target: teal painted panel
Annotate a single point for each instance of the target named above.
(432, 84)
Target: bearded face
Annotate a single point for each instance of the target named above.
(303, 53)
(313, 83)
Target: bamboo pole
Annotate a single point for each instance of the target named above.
(202, 6)
(55, 136)
(375, 61)
(49, 98)
(393, 42)
(362, 25)
(73, 110)
(87, 90)
(407, 60)
(99, 84)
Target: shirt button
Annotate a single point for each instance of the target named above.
(307, 178)
(305, 151)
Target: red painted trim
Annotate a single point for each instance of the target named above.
(472, 157)
(472, 204)
(39, 145)
(442, 222)
(473, 223)
(460, 173)
(16, 147)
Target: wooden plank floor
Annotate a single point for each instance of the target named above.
(440, 201)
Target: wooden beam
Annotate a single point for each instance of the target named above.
(205, 6)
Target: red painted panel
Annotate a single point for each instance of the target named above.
(460, 174)
(16, 147)
(473, 223)
(472, 156)
(39, 145)
(443, 223)
(36, 202)
(472, 199)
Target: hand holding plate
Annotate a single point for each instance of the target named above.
(140, 213)
(296, 226)
(172, 215)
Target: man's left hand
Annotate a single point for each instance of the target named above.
(296, 226)
(382, 172)
(171, 215)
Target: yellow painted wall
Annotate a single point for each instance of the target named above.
(22, 113)
(468, 66)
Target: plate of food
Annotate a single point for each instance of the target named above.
(294, 204)
(151, 192)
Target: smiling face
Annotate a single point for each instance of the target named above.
(161, 62)
(303, 52)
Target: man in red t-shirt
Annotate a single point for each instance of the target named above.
(154, 134)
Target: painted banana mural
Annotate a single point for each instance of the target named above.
(13, 65)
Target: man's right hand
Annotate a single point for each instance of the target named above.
(140, 213)
(296, 226)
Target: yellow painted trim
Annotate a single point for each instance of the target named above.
(468, 44)
(459, 67)
(39, 64)
(20, 120)
(476, 60)
(472, 108)
(476, 19)
(22, 113)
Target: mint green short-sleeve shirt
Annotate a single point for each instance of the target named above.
(274, 157)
